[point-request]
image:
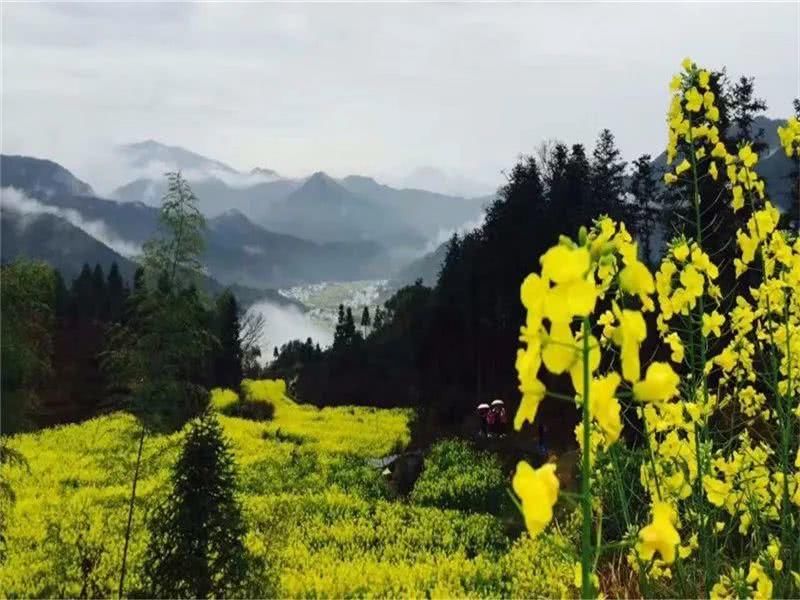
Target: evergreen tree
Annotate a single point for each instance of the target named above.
(349, 326)
(644, 189)
(581, 203)
(196, 547)
(82, 299)
(608, 178)
(228, 352)
(744, 107)
(116, 293)
(61, 297)
(98, 293)
(365, 320)
(377, 323)
(340, 333)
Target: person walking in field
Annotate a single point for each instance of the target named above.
(483, 412)
(498, 409)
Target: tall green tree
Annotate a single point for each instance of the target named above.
(160, 351)
(608, 178)
(228, 347)
(644, 189)
(196, 547)
(745, 107)
(99, 299)
(365, 320)
(27, 304)
(115, 293)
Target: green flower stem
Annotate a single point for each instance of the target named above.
(587, 587)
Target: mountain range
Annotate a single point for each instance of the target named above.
(318, 207)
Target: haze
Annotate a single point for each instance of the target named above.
(375, 89)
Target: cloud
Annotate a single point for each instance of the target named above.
(286, 323)
(300, 87)
(445, 234)
(12, 199)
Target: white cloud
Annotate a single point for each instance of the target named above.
(359, 87)
(12, 199)
(285, 323)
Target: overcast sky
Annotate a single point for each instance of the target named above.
(369, 88)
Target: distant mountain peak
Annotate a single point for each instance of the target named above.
(264, 172)
(141, 154)
(363, 179)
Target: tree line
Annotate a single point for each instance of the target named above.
(447, 348)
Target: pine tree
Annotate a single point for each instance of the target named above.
(98, 293)
(349, 326)
(745, 107)
(365, 320)
(644, 189)
(377, 323)
(82, 302)
(228, 354)
(340, 333)
(115, 292)
(196, 547)
(608, 178)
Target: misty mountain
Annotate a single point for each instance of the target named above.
(66, 247)
(323, 210)
(425, 267)
(42, 178)
(214, 195)
(237, 250)
(429, 213)
(319, 207)
(149, 153)
(436, 180)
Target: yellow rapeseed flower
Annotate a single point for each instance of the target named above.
(605, 406)
(630, 333)
(682, 166)
(560, 350)
(538, 491)
(712, 324)
(561, 264)
(660, 383)
(660, 535)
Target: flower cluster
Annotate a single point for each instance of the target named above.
(789, 136)
(721, 441)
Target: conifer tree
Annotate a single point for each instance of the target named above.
(607, 178)
(365, 320)
(745, 107)
(349, 326)
(196, 547)
(98, 293)
(115, 291)
(644, 189)
(228, 351)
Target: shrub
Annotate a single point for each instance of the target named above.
(254, 407)
(458, 476)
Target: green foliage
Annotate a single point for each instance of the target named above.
(27, 303)
(227, 349)
(458, 476)
(160, 354)
(196, 547)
